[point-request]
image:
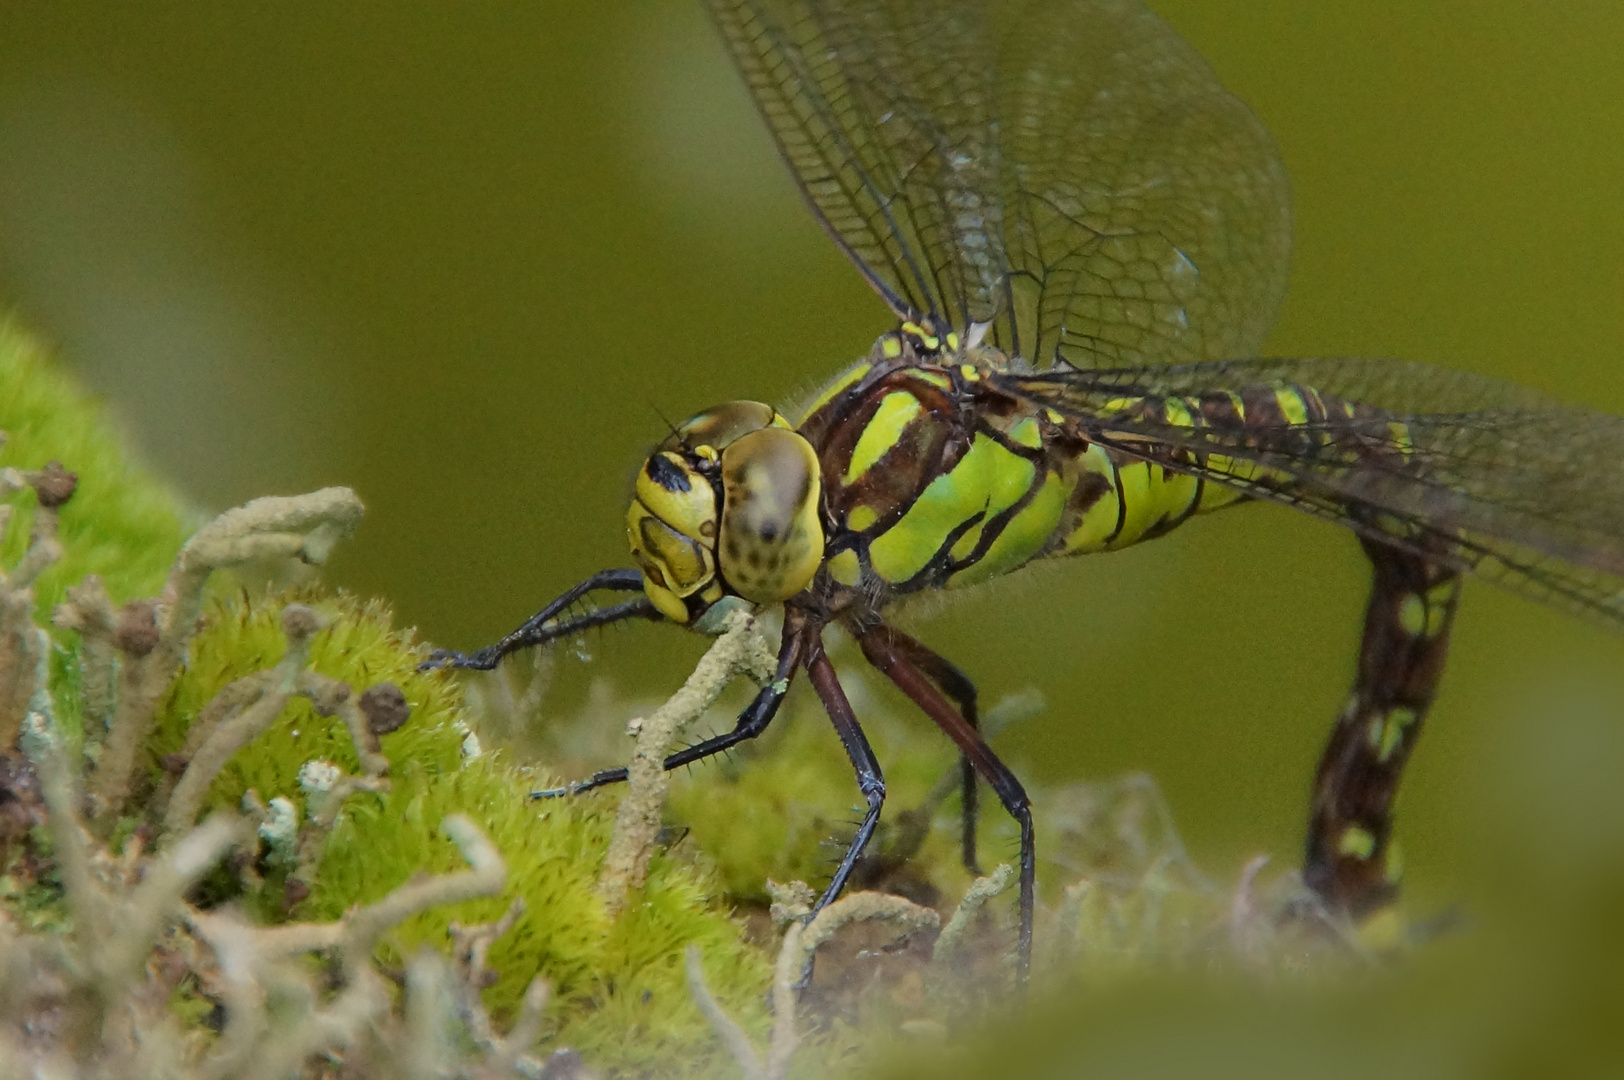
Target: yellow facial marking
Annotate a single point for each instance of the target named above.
(895, 413)
(845, 568)
(969, 373)
(1355, 841)
(953, 341)
(861, 518)
(891, 348)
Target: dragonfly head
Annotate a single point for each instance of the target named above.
(726, 509)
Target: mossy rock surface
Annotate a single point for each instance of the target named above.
(122, 524)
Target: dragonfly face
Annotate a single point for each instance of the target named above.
(725, 513)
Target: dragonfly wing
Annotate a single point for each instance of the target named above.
(1069, 171)
(1484, 475)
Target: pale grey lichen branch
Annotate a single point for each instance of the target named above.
(248, 706)
(801, 941)
(230, 735)
(976, 896)
(254, 964)
(742, 649)
(114, 926)
(907, 916)
(303, 527)
(727, 1029)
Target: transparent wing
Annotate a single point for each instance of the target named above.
(1499, 479)
(1069, 171)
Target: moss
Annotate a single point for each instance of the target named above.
(619, 995)
(242, 635)
(619, 991)
(122, 523)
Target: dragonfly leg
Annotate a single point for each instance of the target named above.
(545, 625)
(1352, 862)
(956, 685)
(751, 722)
(878, 646)
(821, 673)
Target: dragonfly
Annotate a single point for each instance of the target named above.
(1083, 238)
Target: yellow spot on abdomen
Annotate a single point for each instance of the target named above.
(1292, 406)
(1412, 615)
(1356, 841)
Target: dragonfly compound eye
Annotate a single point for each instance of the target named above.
(771, 542)
(672, 529)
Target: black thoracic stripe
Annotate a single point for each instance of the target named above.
(1030, 453)
(1122, 502)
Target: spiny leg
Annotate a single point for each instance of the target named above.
(1352, 862)
(821, 674)
(877, 646)
(957, 685)
(545, 625)
(752, 721)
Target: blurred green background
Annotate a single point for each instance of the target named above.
(464, 257)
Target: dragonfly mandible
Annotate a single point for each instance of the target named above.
(1084, 238)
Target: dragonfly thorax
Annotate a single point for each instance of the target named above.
(726, 508)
